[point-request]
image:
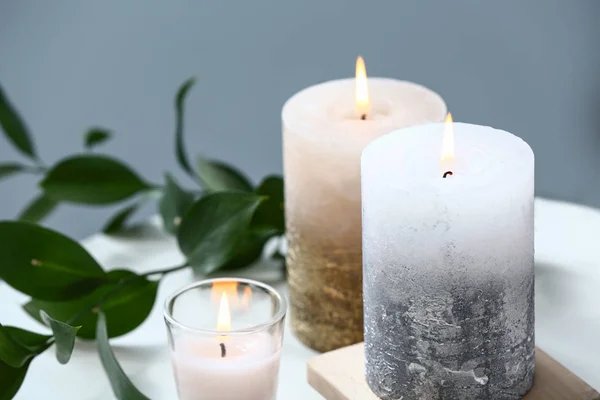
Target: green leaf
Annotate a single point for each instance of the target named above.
(29, 344)
(126, 308)
(14, 127)
(217, 176)
(115, 223)
(174, 204)
(121, 385)
(271, 212)
(179, 110)
(45, 264)
(11, 352)
(18, 346)
(64, 337)
(8, 169)
(33, 341)
(11, 379)
(92, 179)
(250, 248)
(96, 136)
(38, 209)
(214, 226)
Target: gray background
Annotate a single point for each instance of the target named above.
(529, 67)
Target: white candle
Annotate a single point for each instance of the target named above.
(448, 264)
(247, 372)
(239, 360)
(323, 137)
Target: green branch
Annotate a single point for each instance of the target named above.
(224, 225)
(96, 307)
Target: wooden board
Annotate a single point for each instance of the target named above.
(339, 375)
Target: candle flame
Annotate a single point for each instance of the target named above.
(246, 297)
(447, 160)
(222, 293)
(226, 295)
(362, 105)
(224, 316)
(230, 288)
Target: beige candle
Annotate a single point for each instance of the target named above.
(325, 128)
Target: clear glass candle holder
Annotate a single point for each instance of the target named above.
(225, 337)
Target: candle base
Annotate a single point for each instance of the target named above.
(468, 343)
(325, 280)
(340, 375)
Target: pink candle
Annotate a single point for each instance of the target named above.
(248, 371)
(237, 360)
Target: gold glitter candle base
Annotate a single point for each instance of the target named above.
(325, 282)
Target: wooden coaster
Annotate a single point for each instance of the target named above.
(339, 375)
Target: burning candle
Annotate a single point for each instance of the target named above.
(448, 263)
(325, 128)
(233, 355)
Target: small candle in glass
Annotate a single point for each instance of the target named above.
(225, 337)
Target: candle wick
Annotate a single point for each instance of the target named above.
(363, 117)
(447, 173)
(223, 350)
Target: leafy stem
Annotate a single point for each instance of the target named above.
(223, 224)
(120, 286)
(165, 271)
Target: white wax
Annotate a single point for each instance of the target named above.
(448, 264)
(485, 209)
(247, 372)
(323, 140)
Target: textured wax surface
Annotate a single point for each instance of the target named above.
(448, 267)
(323, 142)
(325, 282)
(467, 343)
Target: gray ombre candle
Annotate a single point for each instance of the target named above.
(448, 264)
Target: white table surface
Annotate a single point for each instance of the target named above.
(567, 313)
